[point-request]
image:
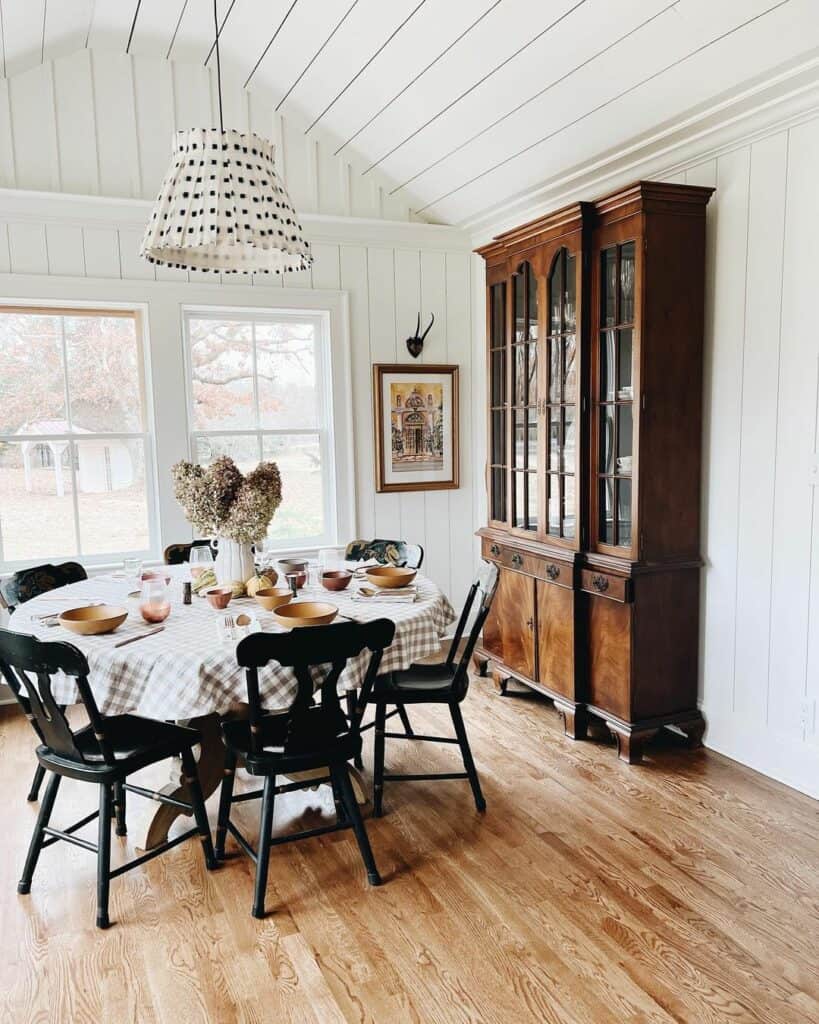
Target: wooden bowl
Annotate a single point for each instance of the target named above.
(156, 575)
(390, 576)
(292, 564)
(101, 618)
(271, 597)
(305, 613)
(219, 597)
(337, 579)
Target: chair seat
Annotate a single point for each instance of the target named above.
(416, 685)
(316, 747)
(135, 742)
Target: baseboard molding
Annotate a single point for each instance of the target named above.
(778, 755)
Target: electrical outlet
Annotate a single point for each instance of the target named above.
(807, 716)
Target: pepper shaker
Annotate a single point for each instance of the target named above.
(186, 592)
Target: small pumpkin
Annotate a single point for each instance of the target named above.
(238, 588)
(265, 580)
(204, 581)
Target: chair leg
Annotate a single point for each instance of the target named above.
(338, 800)
(378, 758)
(402, 714)
(119, 808)
(104, 856)
(36, 844)
(350, 698)
(466, 753)
(342, 780)
(263, 851)
(36, 782)
(199, 813)
(225, 797)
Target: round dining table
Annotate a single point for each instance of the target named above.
(187, 672)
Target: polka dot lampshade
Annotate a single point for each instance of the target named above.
(223, 208)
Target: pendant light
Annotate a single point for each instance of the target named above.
(222, 206)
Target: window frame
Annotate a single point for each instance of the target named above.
(326, 385)
(80, 308)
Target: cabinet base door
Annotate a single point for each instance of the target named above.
(555, 629)
(610, 656)
(509, 630)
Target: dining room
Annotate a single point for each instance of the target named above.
(409, 551)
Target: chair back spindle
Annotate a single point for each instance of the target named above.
(483, 588)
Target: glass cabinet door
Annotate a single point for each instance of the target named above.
(498, 399)
(524, 425)
(560, 404)
(615, 395)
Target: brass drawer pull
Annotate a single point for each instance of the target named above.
(600, 583)
(552, 571)
(494, 550)
(517, 561)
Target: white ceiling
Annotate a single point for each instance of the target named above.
(462, 103)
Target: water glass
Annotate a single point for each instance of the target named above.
(154, 602)
(200, 559)
(132, 568)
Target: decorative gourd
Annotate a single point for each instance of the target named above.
(238, 588)
(265, 580)
(204, 581)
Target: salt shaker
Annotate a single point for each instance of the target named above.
(186, 592)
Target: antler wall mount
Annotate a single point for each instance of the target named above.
(416, 343)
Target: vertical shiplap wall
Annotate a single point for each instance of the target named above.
(101, 123)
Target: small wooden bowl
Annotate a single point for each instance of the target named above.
(151, 575)
(305, 613)
(271, 597)
(219, 597)
(102, 618)
(292, 565)
(390, 576)
(337, 579)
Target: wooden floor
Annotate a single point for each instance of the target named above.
(683, 890)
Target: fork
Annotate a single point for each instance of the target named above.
(229, 626)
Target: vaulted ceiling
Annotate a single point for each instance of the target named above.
(463, 104)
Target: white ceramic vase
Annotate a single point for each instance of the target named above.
(234, 561)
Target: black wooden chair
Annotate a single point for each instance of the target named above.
(178, 554)
(30, 583)
(390, 552)
(309, 736)
(104, 753)
(444, 683)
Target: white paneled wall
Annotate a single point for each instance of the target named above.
(101, 123)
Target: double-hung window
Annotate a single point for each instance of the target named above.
(260, 389)
(75, 459)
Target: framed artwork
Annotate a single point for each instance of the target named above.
(416, 427)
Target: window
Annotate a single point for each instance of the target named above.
(260, 389)
(74, 447)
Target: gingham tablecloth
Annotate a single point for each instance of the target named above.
(185, 671)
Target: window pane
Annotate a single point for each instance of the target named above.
(624, 438)
(624, 346)
(554, 438)
(569, 369)
(570, 311)
(554, 504)
(36, 504)
(532, 393)
(286, 368)
(608, 284)
(606, 507)
(499, 438)
(499, 494)
(568, 452)
(520, 499)
(627, 283)
(606, 439)
(556, 294)
(112, 496)
(498, 300)
(533, 313)
(519, 356)
(624, 512)
(222, 374)
(518, 302)
(533, 432)
(301, 513)
(554, 370)
(104, 373)
(244, 450)
(568, 507)
(518, 452)
(498, 365)
(531, 501)
(607, 363)
(32, 380)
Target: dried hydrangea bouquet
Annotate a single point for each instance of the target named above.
(221, 502)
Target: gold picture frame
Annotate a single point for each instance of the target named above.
(415, 415)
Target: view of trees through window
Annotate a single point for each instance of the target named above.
(256, 389)
(72, 435)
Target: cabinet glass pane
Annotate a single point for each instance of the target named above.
(499, 437)
(499, 494)
(532, 431)
(607, 365)
(520, 499)
(627, 283)
(532, 333)
(625, 391)
(519, 305)
(519, 362)
(606, 506)
(497, 370)
(568, 452)
(554, 370)
(556, 295)
(608, 285)
(569, 369)
(624, 513)
(554, 504)
(606, 439)
(497, 328)
(532, 392)
(570, 311)
(554, 438)
(624, 438)
(518, 448)
(531, 502)
(568, 506)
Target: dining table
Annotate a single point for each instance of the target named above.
(187, 671)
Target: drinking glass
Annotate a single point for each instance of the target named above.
(154, 602)
(200, 559)
(132, 568)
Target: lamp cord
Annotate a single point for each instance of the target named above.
(218, 65)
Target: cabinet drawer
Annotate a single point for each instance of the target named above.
(544, 568)
(604, 584)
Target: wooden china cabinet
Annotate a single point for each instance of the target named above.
(595, 328)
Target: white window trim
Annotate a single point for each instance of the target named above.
(163, 304)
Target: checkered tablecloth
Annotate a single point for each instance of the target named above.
(186, 671)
